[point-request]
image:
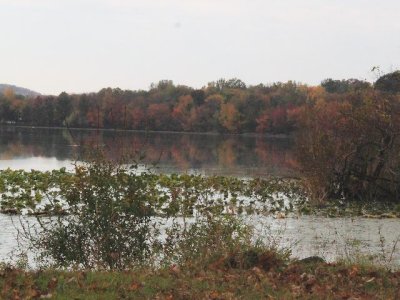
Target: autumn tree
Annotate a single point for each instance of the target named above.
(113, 108)
(205, 117)
(181, 112)
(251, 108)
(222, 106)
(158, 117)
(349, 148)
(136, 118)
(229, 117)
(263, 122)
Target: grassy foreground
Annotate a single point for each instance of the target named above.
(267, 278)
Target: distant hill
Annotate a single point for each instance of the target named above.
(18, 90)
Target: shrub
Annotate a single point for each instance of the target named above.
(114, 217)
(349, 148)
(109, 220)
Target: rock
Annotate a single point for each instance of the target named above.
(312, 260)
(9, 211)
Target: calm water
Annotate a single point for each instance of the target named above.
(243, 156)
(33, 148)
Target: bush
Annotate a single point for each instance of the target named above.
(109, 220)
(117, 217)
(206, 240)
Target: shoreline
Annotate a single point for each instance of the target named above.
(209, 133)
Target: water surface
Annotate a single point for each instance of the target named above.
(242, 156)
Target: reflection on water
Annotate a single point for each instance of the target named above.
(36, 163)
(171, 152)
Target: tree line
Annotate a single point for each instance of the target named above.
(347, 131)
(227, 106)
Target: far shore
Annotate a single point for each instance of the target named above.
(249, 134)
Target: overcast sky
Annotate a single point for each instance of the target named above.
(84, 45)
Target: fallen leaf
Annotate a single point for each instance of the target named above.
(135, 286)
(175, 269)
(33, 293)
(354, 271)
(52, 283)
(71, 279)
(15, 295)
(214, 295)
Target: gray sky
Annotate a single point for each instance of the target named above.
(84, 45)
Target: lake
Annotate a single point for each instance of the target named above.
(240, 156)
